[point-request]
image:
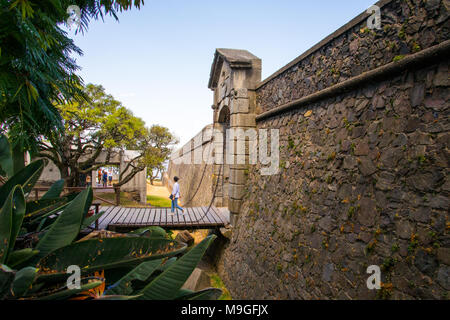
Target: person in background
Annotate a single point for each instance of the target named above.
(99, 176)
(175, 196)
(105, 179)
(88, 180)
(110, 177)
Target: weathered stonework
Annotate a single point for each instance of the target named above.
(364, 172)
(364, 175)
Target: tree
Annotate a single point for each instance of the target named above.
(101, 126)
(162, 141)
(36, 67)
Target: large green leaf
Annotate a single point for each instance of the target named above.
(18, 257)
(90, 220)
(65, 293)
(168, 283)
(55, 190)
(104, 254)
(67, 226)
(6, 279)
(150, 232)
(141, 272)
(11, 217)
(22, 281)
(42, 206)
(26, 177)
(6, 162)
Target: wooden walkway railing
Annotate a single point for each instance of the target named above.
(75, 189)
(122, 218)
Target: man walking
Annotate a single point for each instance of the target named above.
(175, 196)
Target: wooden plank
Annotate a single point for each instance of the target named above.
(218, 216)
(187, 216)
(127, 217)
(118, 218)
(153, 218)
(162, 217)
(176, 220)
(107, 211)
(140, 216)
(106, 214)
(222, 215)
(151, 215)
(193, 216)
(209, 215)
(133, 218)
(201, 216)
(169, 217)
(144, 216)
(106, 218)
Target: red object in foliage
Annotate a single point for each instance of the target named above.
(90, 213)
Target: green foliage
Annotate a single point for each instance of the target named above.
(6, 163)
(398, 58)
(36, 64)
(168, 283)
(160, 202)
(139, 265)
(159, 150)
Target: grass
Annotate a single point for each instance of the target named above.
(126, 199)
(159, 202)
(216, 282)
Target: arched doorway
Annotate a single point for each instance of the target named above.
(223, 173)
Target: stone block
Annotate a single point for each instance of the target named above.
(185, 237)
(237, 176)
(239, 106)
(242, 120)
(237, 191)
(198, 280)
(234, 206)
(241, 93)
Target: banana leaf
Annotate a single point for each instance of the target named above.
(168, 283)
(11, 217)
(142, 272)
(90, 220)
(150, 232)
(6, 162)
(23, 281)
(25, 177)
(54, 191)
(43, 206)
(6, 279)
(18, 257)
(104, 254)
(66, 227)
(65, 293)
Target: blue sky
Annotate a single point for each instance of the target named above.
(157, 60)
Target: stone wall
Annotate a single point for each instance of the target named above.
(196, 180)
(364, 176)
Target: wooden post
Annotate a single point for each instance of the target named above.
(117, 191)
